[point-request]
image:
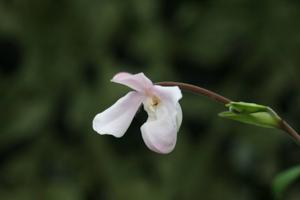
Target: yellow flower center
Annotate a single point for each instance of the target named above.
(151, 104)
(155, 101)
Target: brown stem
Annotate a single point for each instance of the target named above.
(197, 90)
(223, 100)
(289, 130)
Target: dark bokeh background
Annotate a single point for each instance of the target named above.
(57, 57)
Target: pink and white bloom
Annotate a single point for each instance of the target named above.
(159, 132)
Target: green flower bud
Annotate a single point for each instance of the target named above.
(251, 113)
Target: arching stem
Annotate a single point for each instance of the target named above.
(223, 100)
(197, 90)
(289, 130)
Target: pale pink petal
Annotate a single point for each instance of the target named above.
(160, 130)
(170, 94)
(138, 82)
(117, 118)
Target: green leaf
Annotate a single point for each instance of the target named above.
(251, 113)
(284, 180)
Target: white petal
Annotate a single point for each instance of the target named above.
(117, 118)
(160, 130)
(138, 82)
(170, 94)
(178, 116)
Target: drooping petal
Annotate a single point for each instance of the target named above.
(138, 82)
(160, 130)
(117, 118)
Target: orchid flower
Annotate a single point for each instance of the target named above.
(159, 132)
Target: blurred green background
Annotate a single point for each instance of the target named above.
(57, 58)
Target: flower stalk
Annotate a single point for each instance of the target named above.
(197, 90)
(289, 130)
(244, 112)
